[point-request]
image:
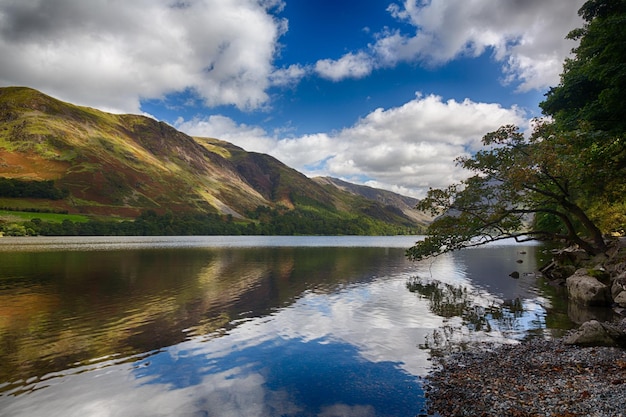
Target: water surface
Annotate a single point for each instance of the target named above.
(248, 326)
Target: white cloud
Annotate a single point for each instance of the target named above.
(350, 65)
(404, 149)
(251, 138)
(113, 53)
(527, 37)
(414, 146)
(285, 77)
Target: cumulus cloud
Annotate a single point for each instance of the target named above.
(290, 76)
(114, 53)
(414, 146)
(404, 149)
(350, 65)
(527, 37)
(251, 138)
(111, 54)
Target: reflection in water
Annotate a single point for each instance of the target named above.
(488, 294)
(466, 315)
(183, 329)
(288, 377)
(63, 308)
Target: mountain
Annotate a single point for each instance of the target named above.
(405, 204)
(122, 165)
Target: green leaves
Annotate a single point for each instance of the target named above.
(593, 82)
(523, 187)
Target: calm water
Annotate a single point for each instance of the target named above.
(248, 326)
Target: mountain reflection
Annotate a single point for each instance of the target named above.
(247, 331)
(62, 309)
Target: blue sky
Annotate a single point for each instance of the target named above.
(381, 92)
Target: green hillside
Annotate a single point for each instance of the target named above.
(111, 166)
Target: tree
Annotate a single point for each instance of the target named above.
(523, 188)
(594, 80)
(566, 181)
(590, 97)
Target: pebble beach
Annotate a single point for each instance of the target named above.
(537, 377)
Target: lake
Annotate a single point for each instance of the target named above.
(250, 325)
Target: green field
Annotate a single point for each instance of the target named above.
(22, 216)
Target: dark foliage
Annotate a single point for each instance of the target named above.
(16, 188)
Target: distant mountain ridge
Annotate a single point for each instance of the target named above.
(388, 198)
(122, 165)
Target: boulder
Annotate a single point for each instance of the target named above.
(587, 290)
(594, 333)
(620, 299)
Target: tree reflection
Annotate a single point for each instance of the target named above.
(466, 313)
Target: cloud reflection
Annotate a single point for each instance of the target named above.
(286, 376)
(353, 351)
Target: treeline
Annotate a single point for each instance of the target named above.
(268, 222)
(34, 210)
(16, 188)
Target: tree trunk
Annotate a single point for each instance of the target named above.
(598, 244)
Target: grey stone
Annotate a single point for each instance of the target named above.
(587, 290)
(619, 285)
(620, 299)
(594, 333)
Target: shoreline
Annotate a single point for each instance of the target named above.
(537, 377)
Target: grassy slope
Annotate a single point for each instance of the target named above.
(115, 164)
(120, 165)
(20, 216)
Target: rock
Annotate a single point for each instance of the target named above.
(594, 333)
(572, 255)
(587, 290)
(620, 299)
(619, 285)
(555, 271)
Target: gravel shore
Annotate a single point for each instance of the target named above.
(534, 378)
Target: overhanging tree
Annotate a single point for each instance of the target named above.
(566, 181)
(522, 188)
